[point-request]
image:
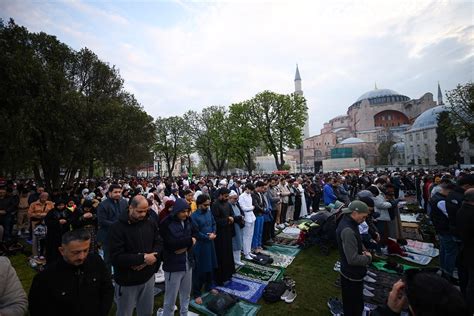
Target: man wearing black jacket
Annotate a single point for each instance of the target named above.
(134, 246)
(78, 284)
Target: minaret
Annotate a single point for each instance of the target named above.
(298, 91)
(440, 96)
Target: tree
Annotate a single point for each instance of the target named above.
(210, 132)
(243, 139)
(171, 137)
(279, 120)
(447, 146)
(386, 152)
(461, 111)
(64, 111)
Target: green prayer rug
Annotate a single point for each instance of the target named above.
(379, 265)
(284, 250)
(241, 308)
(252, 271)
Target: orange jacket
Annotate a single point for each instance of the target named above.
(38, 210)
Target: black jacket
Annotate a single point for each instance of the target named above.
(259, 203)
(128, 242)
(465, 229)
(177, 236)
(64, 289)
(453, 203)
(439, 219)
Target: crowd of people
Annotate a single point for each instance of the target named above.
(194, 233)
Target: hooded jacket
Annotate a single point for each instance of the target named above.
(177, 235)
(129, 241)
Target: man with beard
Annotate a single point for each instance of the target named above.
(223, 215)
(77, 284)
(134, 246)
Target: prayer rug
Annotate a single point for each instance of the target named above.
(245, 289)
(416, 258)
(240, 308)
(251, 271)
(284, 250)
(285, 241)
(379, 265)
(421, 248)
(295, 231)
(279, 260)
(287, 236)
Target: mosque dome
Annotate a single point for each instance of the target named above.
(381, 96)
(352, 140)
(428, 119)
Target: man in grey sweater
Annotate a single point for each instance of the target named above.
(13, 301)
(354, 259)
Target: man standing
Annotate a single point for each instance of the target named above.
(36, 213)
(259, 208)
(223, 215)
(328, 192)
(354, 259)
(179, 237)
(284, 194)
(108, 213)
(465, 229)
(76, 285)
(134, 246)
(245, 202)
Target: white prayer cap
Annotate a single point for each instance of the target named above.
(232, 193)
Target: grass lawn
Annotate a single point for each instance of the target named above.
(312, 272)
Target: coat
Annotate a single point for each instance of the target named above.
(65, 289)
(13, 299)
(128, 242)
(176, 236)
(108, 213)
(55, 231)
(204, 250)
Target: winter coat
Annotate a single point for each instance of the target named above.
(128, 242)
(13, 299)
(108, 213)
(65, 289)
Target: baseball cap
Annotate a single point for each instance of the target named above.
(356, 206)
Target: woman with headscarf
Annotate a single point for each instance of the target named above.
(58, 222)
(167, 210)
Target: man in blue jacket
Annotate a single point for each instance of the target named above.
(179, 237)
(108, 213)
(135, 243)
(328, 192)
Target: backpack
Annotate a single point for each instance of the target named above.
(273, 291)
(221, 303)
(263, 259)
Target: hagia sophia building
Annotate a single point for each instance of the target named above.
(378, 116)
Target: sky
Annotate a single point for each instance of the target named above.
(177, 55)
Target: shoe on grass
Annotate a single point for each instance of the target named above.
(369, 279)
(335, 306)
(368, 287)
(285, 294)
(368, 293)
(291, 296)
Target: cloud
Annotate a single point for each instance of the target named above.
(220, 53)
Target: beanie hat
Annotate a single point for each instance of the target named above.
(179, 206)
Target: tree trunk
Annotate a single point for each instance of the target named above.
(91, 168)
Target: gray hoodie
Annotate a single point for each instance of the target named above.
(13, 301)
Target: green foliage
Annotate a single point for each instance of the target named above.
(210, 132)
(279, 120)
(385, 152)
(65, 111)
(447, 146)
(171, 140)
(461, 111)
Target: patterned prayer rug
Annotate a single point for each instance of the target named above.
(241, 308)
(245, 289)
(279, 260)
(256, 272)
(284, 250)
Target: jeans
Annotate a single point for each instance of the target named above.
(258, 233)
(448, 253)
(352, 297)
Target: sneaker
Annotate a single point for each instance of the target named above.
(369, 279)
(19, 233)
(371, 274)
(285, 294)
(368, 287)
(239, 263)
(291, 296)
(337, 268)
(368, 293)
(335, 306)
(248, 257)
(159, 312)
(252, 255)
